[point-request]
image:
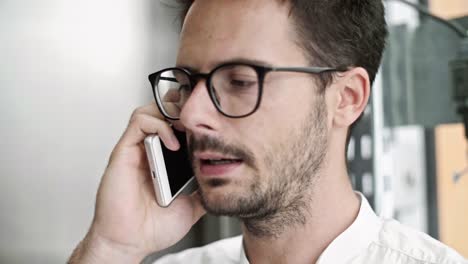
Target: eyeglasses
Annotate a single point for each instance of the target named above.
(234, 88)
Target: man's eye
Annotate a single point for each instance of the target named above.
(242, 83)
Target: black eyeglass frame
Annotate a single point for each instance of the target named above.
(261, 73)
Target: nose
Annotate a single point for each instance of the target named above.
(198, 114)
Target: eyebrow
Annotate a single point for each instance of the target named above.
(235, 60)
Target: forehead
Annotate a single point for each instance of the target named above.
(216, 31)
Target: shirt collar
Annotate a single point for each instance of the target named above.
(243, 258)
(355, 239)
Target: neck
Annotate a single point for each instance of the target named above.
(329, 211)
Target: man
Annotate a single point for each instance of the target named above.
(267, 125)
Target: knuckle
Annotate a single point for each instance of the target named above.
(138, 111)
(137, 118)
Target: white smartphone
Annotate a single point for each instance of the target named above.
(171, 171)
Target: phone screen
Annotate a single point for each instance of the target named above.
(178, 167)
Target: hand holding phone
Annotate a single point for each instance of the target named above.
(128, 224)
(171, 171)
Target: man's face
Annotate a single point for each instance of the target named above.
(264, 163)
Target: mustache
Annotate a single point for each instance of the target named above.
(207, 143)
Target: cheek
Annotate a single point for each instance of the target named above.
(274, 122)
(280, 116)
(287, 98)
(264, 136)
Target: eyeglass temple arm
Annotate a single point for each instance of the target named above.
(315, 70)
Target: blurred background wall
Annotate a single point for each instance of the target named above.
(71, 73)
(424, 147)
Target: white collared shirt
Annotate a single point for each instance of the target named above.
(369, 239)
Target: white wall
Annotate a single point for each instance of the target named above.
(71, 72)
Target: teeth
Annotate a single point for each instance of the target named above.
(220, 161)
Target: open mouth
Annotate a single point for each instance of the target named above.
(219, 161)
(217, 165)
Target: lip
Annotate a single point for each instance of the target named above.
(216, 171)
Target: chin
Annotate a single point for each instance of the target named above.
(226, 198)
(220, 197)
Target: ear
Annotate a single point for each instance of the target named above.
(353, 95)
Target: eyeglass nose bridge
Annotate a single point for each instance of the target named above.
(195, 78)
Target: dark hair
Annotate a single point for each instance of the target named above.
(336, 33)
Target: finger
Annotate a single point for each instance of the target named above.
(172, 96)
(149, 109)
(174, 109)
(142, 125)
(153, 110)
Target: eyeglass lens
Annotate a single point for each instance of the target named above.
(234, 89)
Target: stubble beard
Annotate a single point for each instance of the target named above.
(268, 209)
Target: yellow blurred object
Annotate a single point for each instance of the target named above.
(451, 146)
(449, 8)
